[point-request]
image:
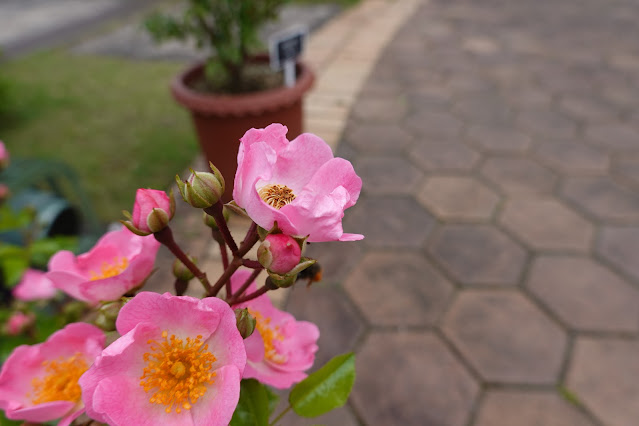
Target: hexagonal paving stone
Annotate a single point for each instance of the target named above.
(584, 294)
(341, 416)
(387, 175)
(547, 123)
(616, 137)
(336, 258)
(377, 137)
(440, 156)
(545, 223)
(407, 378)
(517, 175)
(620, 246)
(505, 337)
(528, 408)
(390, 222)
(587, 108)
(499, 138)
(603, 374)
(627, 169)
(603, 198)
(572, 157)
(483, 110)
(398, 289)
(478, 254)
(457, 198)
(328, 307)
(380, 108)
(442, 126)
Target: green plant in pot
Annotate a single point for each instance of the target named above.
(234, 88)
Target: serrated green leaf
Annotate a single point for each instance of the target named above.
(325, 389)
(255, 405)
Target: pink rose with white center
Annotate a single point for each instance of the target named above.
(34, 285)
(119, 262)
(298, 184)
(179, 362)
(39, 383)
(152, 212)
(17, 322)
(281, 348)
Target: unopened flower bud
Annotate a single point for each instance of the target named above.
(4, 192)
(202, 189)
(279, 253)
(104, 323)
(112, 309)
(4, 156)
(152, 212)
(18, 322)
(245, 322)
(288, 279)
(181, 272)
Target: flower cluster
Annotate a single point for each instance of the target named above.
(176, 359)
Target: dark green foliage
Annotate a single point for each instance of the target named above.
(227, 28)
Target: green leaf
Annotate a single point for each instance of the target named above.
(14, 261)
(42, 250)
(326, 389)
(255, 405)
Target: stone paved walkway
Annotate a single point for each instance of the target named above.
(498, 284)
(498, 141)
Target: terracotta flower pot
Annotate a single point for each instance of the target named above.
(221, 120)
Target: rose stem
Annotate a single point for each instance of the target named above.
(216, 210)
(242, 289)
(165, 236)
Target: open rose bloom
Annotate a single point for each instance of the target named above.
(119, 262)
(34, 285)
(179, 362)
(39, 383)
(298, 184)
(281, 348)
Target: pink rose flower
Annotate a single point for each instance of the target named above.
(17, 322)
(179, 362)
(4, 156)
(119, 262)
(34, 285)
(280, 349)
(39, 383)
(297, 184)
(152, 210)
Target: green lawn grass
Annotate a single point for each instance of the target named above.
(112, 120)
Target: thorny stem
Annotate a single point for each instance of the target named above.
(216, 211)
(165, 236)
(268, 285)
(232, 297)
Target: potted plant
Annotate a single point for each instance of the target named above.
(234, 88)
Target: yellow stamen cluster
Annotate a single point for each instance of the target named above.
(60, 382)
(276, 195)
(177, 372)
(269, 334)
(110, 269)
